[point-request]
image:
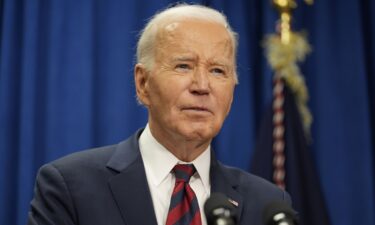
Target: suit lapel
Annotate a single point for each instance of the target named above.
(129, 187)
(223, 182)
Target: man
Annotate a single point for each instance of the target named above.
(185, 77)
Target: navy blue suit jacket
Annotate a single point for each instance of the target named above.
(108, 186)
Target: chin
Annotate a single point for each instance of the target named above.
(203, 133)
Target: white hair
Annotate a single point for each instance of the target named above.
(146, 42)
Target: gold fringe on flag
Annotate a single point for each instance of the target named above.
(284, 51)
(283, 59)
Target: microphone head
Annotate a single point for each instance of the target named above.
(278, 211)
(218, 206)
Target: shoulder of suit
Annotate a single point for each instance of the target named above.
(247, 180)
(95, 157)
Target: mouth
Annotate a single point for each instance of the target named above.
(198, 109)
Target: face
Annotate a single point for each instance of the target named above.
(189, 90)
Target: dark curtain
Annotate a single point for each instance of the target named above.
(66, 84)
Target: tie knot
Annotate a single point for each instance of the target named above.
(183, 172)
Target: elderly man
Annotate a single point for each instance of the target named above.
(185, 77)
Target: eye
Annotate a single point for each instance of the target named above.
(217, 71)
(183, 67)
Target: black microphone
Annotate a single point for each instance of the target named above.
(219, 211)
(279, 213)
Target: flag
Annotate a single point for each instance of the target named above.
(296, 166)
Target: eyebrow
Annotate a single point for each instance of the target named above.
(211, 62)
(184, 58)
(219, 62)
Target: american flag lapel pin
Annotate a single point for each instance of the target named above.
(233, 202)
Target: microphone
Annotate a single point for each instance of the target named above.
(279, 213)
(219, 211)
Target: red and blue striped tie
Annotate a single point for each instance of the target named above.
(184, 208)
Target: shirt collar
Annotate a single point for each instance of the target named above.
(159, 161)
(202, 165)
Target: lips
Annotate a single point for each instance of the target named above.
(196, 109)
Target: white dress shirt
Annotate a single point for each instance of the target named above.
(159, 162)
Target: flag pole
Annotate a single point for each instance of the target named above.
(284, 49)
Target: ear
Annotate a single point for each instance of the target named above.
(141, 85)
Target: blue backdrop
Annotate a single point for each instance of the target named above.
(66, 84)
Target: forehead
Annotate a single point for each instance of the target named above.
(195, 35)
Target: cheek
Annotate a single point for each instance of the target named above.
(157, 97)
(165, 95)
(226, 107)
(225, 103)
(229, 104)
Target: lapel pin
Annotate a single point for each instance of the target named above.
(233, 202)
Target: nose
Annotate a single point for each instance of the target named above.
(200, 83)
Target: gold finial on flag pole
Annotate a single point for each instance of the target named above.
(285, 7)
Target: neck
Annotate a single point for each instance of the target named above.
(184, 149)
